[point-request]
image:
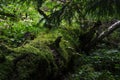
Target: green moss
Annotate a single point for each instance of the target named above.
(5, 70)
(41, 61)
(34, 67)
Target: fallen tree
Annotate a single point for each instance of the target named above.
(91, 44)
(45, 60)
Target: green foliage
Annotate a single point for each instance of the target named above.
(27, 51)
(109, 8)
(102, 65)
(5, 70)
(16, 35)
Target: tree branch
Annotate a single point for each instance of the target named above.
(92, 44)
(109, 30)
(42, 13)
(7, 14)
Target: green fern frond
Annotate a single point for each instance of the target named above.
(103, 7)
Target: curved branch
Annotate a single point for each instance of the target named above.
(109, 30)
(92, 44)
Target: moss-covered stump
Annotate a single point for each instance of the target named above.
(33, 67)
(37, 60)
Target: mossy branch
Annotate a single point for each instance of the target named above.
(5, 48)
(42, 13)
(7, 14)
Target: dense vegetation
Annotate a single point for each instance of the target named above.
(59, 40)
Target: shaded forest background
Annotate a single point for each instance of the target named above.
(59, 40)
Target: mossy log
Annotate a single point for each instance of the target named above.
(36, 60)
